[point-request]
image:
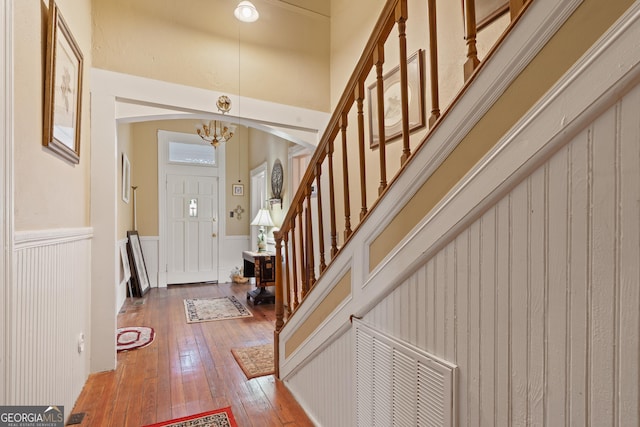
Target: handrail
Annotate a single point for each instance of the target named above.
(303, 228)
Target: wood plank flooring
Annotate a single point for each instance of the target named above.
(188, 368)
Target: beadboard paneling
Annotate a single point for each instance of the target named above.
(324, 387)
(537, 302)
(49, 312)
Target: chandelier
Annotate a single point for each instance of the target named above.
(216, 132)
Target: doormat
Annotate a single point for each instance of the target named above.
(209, 309)
(133, 337)
(255, 361)
(218, 418)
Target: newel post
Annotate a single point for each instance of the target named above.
(279, 303)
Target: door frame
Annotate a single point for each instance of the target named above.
(6, 188)
(164, 137)
(258, 181)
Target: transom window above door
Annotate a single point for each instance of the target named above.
(194, 154)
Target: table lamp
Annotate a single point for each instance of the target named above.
(262, 219)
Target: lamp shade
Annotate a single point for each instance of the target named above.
(246, 12)
(263, 219)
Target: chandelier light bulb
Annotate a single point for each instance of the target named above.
(246, 12)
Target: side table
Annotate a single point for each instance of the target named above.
(260, 265)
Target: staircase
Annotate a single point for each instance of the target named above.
(406, 224)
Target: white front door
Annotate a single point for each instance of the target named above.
(192, 228)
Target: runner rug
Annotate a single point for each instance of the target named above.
(133, 337)
(218, 418)
(208, 309)
(255, 361)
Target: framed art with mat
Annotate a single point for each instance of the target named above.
(139, 275)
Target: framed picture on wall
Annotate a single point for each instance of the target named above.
(237, 189)
(63, 89)
(139, 269)
(126, 178)
(392, 103)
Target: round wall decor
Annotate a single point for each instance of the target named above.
(277, 176)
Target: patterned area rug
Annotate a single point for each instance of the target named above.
(208, 309)
(218, 418)
(255, 361)
(133, 337)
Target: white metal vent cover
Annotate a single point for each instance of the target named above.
(398, 384)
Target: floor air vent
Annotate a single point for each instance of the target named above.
(400, 385)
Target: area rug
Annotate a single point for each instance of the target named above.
(255, 361)
(133, 337)
(208, 309)
(218, 418)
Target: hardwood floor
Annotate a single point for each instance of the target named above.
(188, 368)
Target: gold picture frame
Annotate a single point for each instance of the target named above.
(393, 115)
(63, 89)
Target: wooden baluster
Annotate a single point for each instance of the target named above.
(470, 36)
(378, 59)
(345, 172)
(292, 300)
(433, 54)
(303, 251)
(323, 264)
(294, 259)
(279, 283)
(332, 203)
(279, 305)
(311, 267)
(359, 97)
(401, 19)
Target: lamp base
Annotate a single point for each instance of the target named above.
(262, 245)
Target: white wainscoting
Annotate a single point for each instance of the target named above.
(324, 387)
(231, 255)
(48, 314)
(537, 301)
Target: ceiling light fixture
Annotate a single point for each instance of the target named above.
(216, 132)
(246, 12)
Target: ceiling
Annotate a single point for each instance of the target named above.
(321, 7)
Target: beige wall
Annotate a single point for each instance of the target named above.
(49, 191)
(247, 148)
(237, 172)
(283, 57)
(267, 148)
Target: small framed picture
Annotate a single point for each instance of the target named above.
(63, 89)
(126, 178)
(237, 189)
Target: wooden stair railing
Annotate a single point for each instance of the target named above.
(295, 274)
